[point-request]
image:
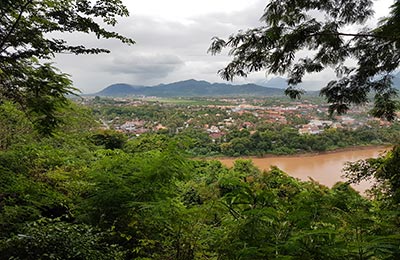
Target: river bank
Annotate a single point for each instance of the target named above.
(306, 154)
(326, 167)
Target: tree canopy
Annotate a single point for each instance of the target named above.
(31, 34)
(302, 37)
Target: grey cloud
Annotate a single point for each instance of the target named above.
(192, 38)
(165, 50)
(143, 66)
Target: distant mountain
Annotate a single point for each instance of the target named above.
(119, 89)
(277, 82)
(189, 88)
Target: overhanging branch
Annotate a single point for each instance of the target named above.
(14, 26)
(355, 35)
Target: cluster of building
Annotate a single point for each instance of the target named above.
(138, 127)
(279, 114)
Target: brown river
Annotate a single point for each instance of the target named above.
(326, 168)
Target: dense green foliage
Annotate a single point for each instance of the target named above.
(286, 140)
(25, 25)
(66, 197)
(295, 41)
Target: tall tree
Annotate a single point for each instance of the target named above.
(295, 27)
(28, 31)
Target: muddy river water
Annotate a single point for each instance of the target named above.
(325, 168)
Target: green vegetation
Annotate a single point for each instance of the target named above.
(285, 140)
(26, 78)
(70, 190)
(67, 197)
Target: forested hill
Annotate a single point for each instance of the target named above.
(190, 88)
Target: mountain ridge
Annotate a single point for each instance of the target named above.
(189, 88)
(202, 88)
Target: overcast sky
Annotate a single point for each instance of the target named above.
(172, 38)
